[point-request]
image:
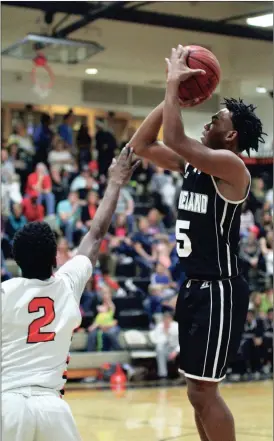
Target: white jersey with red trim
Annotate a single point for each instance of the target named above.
(38, 319)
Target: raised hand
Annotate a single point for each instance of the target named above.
(122, 168)
(178, 69)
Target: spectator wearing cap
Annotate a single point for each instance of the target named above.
(166, 337)
(40, 183)
(65, 130)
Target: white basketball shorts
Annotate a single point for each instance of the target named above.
(36, 414)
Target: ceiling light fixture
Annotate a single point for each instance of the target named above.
(91, 71)
(261, 89)
(262, 21)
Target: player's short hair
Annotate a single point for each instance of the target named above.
(35, 249)
(247, 124)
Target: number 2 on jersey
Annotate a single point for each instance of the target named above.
(35, 335)
(184, 244)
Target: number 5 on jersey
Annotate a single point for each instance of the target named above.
(35, 335)
(183, 242)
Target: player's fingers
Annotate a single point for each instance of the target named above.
(173, 54)
(184, 54)
(130, 155)
(136, 165)
(124, 153)
(167, 63)
(196, 72)
(180, 51)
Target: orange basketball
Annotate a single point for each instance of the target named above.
(197, 89)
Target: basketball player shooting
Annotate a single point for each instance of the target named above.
(39, 313)
(212, 304)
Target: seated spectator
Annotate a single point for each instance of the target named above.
(153, 303)
(162, 189)
(5, 275)
(68, 213)
(40, 182)
(32, 210)
(119, 241)
(15, 221)
(84, 181)
(63, 252)
(155, 224)
(162, 276)
(251, 347)
(60, 158)
(89, 210)
(247, 220)
(23, 140)
(249, 253)
(125, 205)
(21, 166)
(166, 337)
(7, 167)
(268, 340)
(145, 256)
(142, 176)
(266, 245)
(104, 332)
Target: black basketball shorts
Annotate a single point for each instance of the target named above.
(211, 317)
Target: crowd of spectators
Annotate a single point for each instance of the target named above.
(60, 177)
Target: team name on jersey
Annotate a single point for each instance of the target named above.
(195, 202)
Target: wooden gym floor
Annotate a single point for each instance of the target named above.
(164, 414)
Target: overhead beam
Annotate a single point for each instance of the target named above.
(153, 19)
(246, 15)
(69, 7)
(190, 24)
(94, 14)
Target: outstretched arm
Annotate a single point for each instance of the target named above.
(145, 144)
(119, 173)
(222, 164)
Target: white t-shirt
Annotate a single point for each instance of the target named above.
(38, 319)
(56, 157)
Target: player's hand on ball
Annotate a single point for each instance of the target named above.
(177, 67)
(122, 168)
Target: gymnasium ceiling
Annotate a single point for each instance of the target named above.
(137, 36)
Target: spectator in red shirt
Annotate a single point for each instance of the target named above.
(32, 210)
(40, 182)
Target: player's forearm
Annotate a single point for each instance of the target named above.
(173, 127)
(100, 224)
(148, 131)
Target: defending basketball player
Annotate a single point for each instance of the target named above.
(212, 303)
(39, 313)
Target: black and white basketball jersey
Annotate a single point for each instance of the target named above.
(207, 229)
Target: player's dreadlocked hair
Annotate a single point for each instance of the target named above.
(247, 124)
(34, 250)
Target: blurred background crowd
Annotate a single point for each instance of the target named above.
(58, 175)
